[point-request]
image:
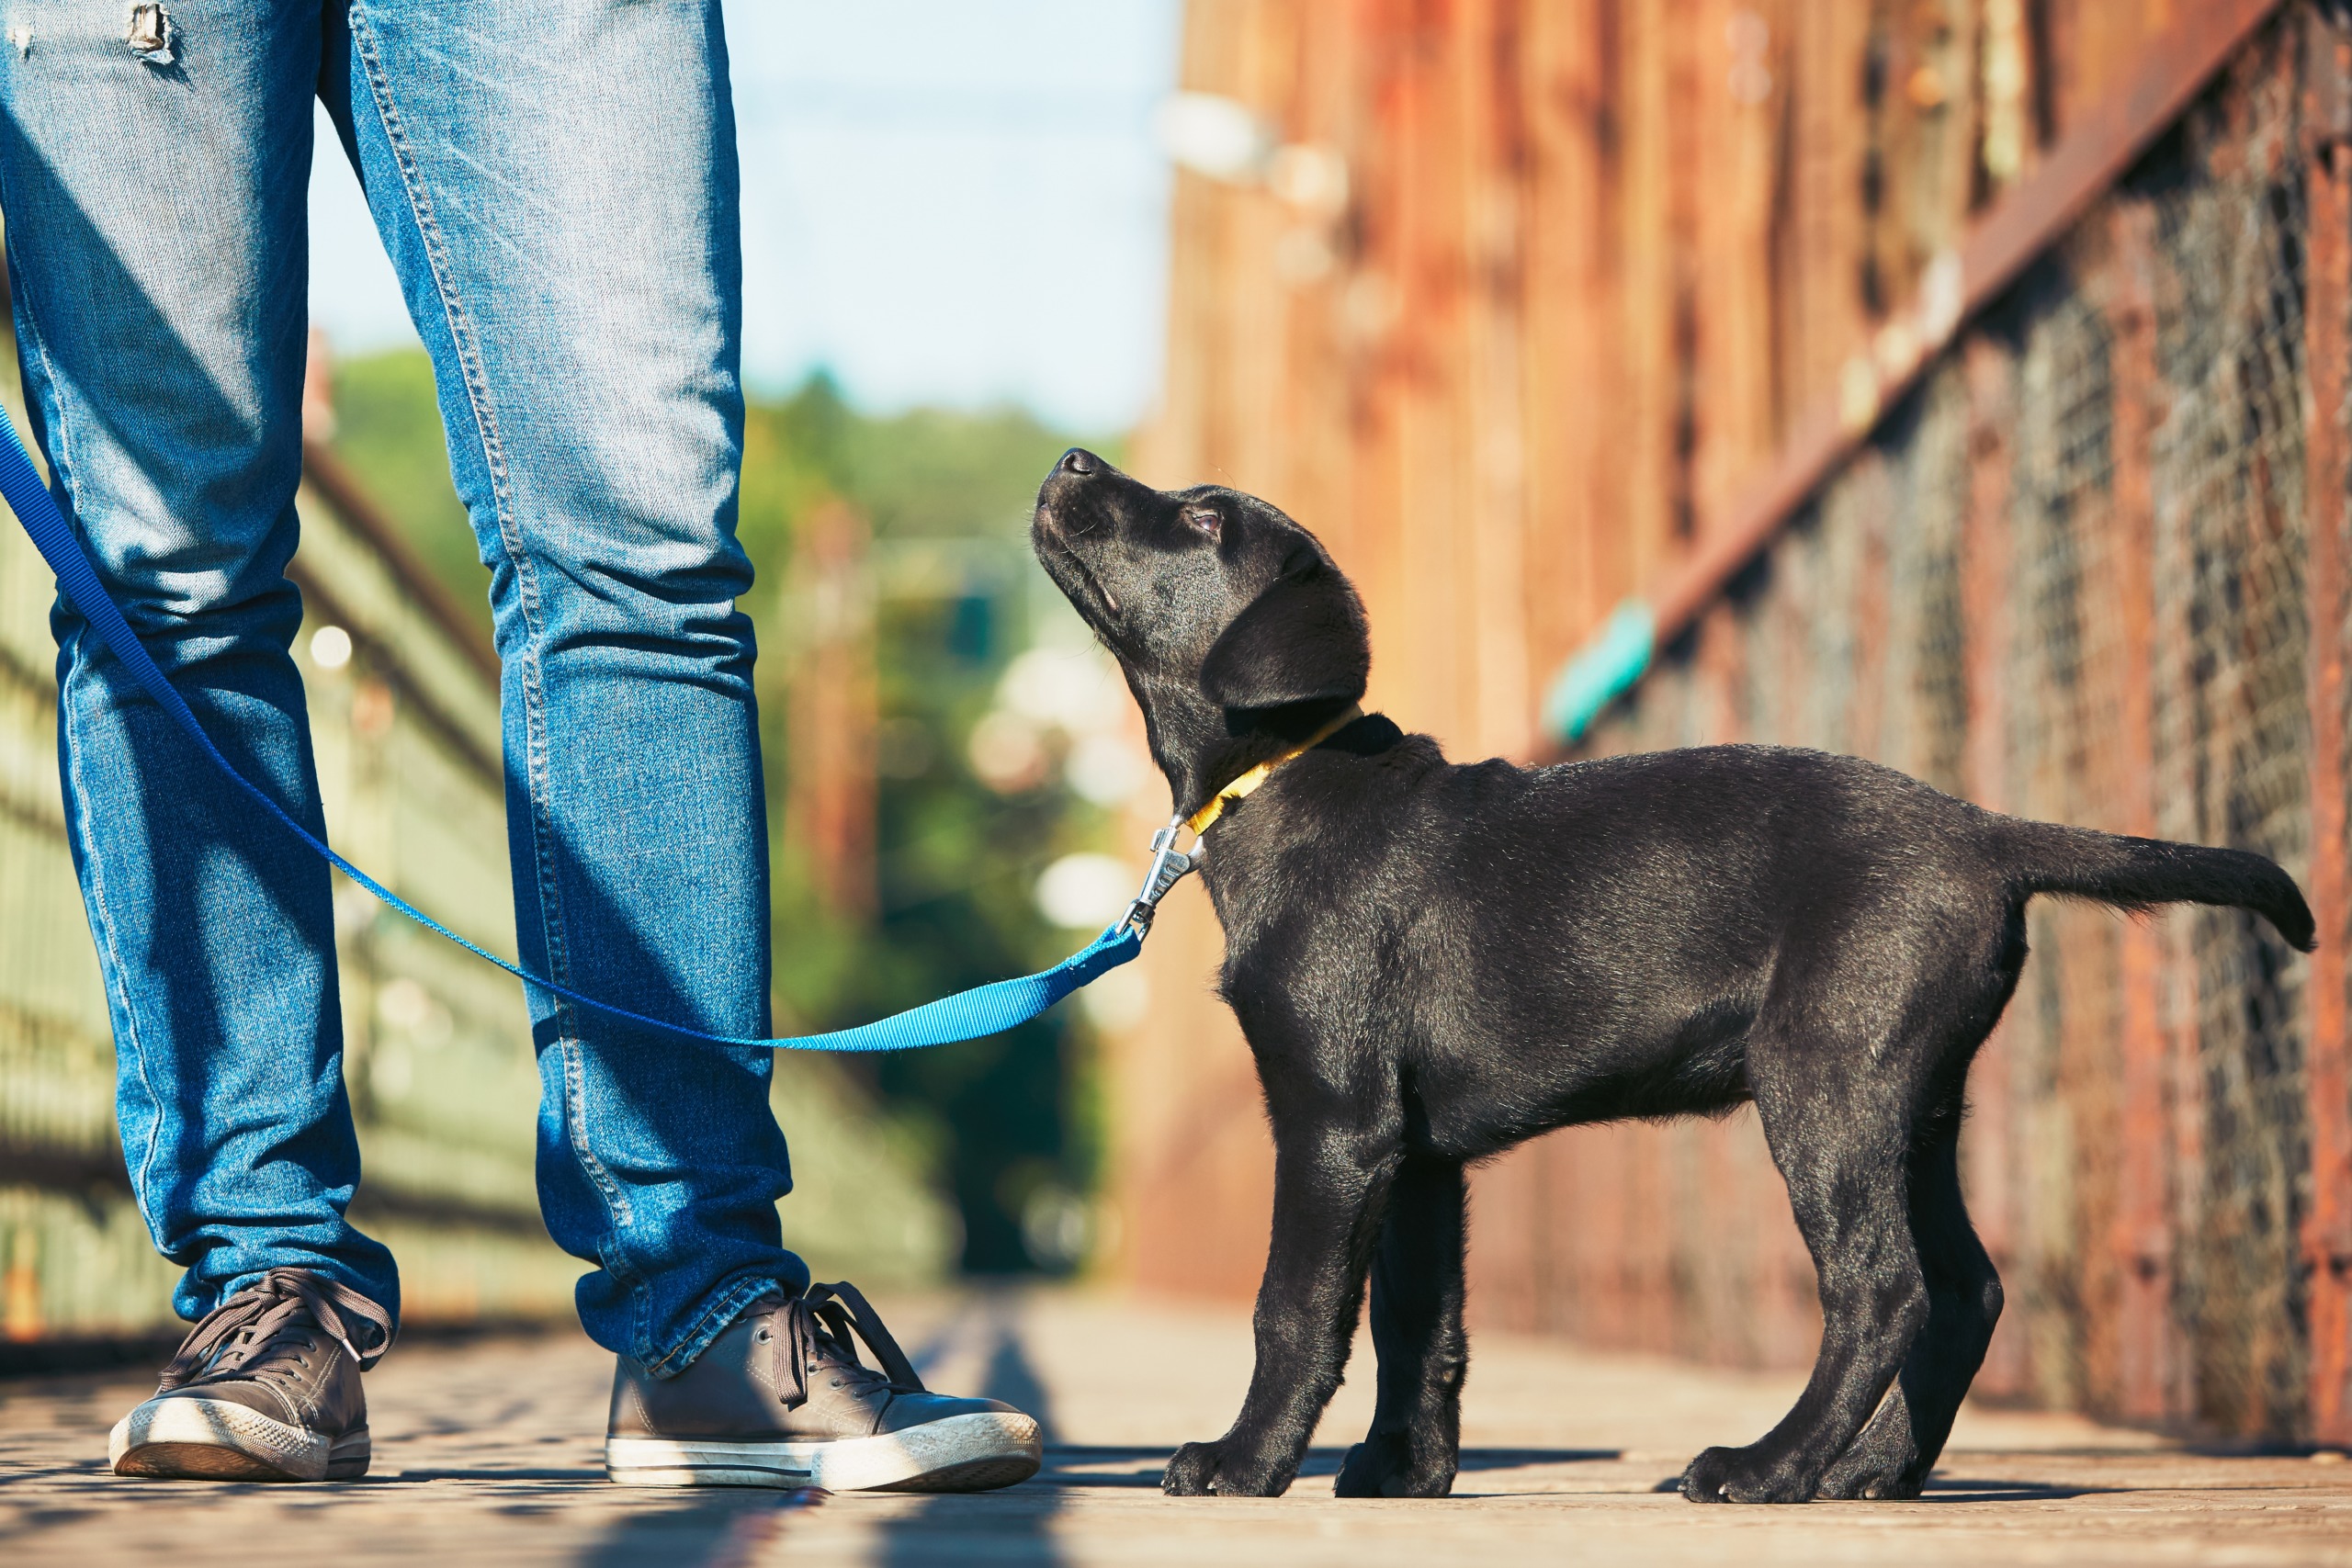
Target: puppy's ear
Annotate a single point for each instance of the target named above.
(1304, 639)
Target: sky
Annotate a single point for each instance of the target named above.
(943, 202)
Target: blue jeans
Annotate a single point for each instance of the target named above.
(555, 183)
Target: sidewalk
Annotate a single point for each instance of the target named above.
(487, 1452)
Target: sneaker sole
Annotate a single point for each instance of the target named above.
(960, 1453)
(213, 1440)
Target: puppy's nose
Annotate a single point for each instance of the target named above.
(1078, 460)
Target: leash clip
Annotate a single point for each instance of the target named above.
(1169, 865)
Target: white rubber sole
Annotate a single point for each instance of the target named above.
(214, 1439)
(960, 1453)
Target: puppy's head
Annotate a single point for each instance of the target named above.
(1236, 633)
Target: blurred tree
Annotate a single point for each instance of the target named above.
(922, 519)
(388, 431)
(946, 497)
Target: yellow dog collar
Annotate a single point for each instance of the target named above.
(1169, 865)
(1201, 820)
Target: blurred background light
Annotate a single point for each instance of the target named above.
(1078, 689)
(330, 648)
(1214, 136)
(1085, 890)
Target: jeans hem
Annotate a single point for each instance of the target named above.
(723, 1311)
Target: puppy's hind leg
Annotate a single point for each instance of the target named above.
(1839, 1127)
(1417, 1295)
(1896, 1450)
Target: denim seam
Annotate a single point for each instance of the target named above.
(552, 932)
(575, 1117)
(101, 906)
(723, 1311)
(455, 316)
(463, 341)
(464, 344)
(612, 1248)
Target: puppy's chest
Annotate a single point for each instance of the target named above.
(1332, 963)
(1269, 904)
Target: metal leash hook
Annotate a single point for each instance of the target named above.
(1169, 866)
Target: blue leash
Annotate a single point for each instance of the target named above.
(967, 1015)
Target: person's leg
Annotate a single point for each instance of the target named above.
(155, 237)
(557, 186)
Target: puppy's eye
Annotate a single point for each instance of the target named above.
(1205, 519)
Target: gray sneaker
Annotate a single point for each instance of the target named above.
(781, 1399)
(266, 1388)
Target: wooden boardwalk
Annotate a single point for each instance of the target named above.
(487, 1452)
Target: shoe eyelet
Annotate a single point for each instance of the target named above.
(762, 1334)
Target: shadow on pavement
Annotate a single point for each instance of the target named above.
(1942, 1489)
(1011, 1378)
(722, 1528)
(1519, 1458)
(517, 1473)
(1018, 1521)
(1082, 1465)
(1957, 1489)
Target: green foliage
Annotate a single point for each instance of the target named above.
(955, 861)
(388, 430)
(947, 497)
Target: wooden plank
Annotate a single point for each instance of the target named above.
(2141, 1240)
(1493, 430)
(1640, 423)
(1736, 96)
(2328, 324)
(1567, 356)
(1989, 1152)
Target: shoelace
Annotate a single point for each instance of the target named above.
(822, 1324)
(285, 1306)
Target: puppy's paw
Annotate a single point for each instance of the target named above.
(1204, 1470)
(1744, 1475)
(1880, 1465)
(1383, 1466)
(1190, 1471)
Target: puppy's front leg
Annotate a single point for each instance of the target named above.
(1330, 1185)
(1417, 1298)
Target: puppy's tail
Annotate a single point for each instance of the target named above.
(2140, 873)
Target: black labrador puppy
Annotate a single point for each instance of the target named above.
(1432, 961)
